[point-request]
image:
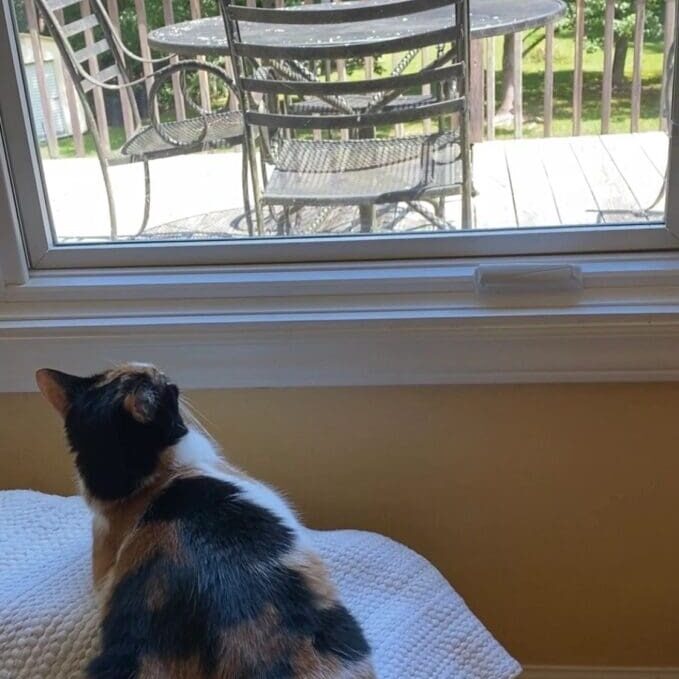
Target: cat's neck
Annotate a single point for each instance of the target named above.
(194, 454)
(197, 452)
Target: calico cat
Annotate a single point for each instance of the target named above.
(203, 572)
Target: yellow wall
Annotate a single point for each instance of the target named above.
(554, 510)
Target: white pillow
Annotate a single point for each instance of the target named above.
(418, 627)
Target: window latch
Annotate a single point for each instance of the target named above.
(527, 278)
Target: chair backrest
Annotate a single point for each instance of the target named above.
(267, 64)
(90, 47)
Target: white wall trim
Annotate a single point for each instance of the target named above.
(556, 672)
(348, 325)
(352, 348)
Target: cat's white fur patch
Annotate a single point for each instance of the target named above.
(198, 451)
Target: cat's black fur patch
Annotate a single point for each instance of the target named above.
(115, 452)
(210, 509)
(228, 572)
(340, 634)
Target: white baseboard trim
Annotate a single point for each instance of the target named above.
(568, 672)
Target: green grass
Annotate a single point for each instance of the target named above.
(533, 89)
(534, 79)
(67, 147)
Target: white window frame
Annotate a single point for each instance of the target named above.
(45, 254)
(349, 311)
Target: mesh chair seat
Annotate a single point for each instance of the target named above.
(365, 171)
(224, 129)
(359, 103)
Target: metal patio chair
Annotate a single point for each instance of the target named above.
(101, 64)
(362, 170)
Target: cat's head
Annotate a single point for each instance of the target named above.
(118, 423)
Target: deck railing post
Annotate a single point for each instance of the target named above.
(490, 89)
(607, 84)
(143, 30)
(72, 99)
(476, 91)
(549, 79)
(204, 83)
(38, 60)
(128, 118)
(518, 85)
(179, 106)
(639, 24)
(578, 69)
(97, 94)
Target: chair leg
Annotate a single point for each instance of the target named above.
(367, 213)
(252, 161)
(466, 172)
(467, 214)
(287, 223)
(147, 197)
(246, 192)
(282, 221)
(111, 202)
(103, 164)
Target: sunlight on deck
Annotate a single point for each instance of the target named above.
(519, 183)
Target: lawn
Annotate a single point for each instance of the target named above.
(534, 79)
(533, 83)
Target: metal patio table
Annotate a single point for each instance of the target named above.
(207, 37)
(489, 18)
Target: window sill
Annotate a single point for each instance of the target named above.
(348, 325)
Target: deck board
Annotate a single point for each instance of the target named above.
(572, 194)
(616, 202)
(641, 175)
(533, 196)
(656, 146)
(494, 204)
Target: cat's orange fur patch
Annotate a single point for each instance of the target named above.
(53, 391)
(130, 370)
(156, 594)
(115, 521)
(144, 543)
(315, 574)
(257, 642)
(306, 662)
(363, 670)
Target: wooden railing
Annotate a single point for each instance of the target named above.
(483, 67)
(482, 122)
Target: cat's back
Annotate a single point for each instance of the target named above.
(216, 582)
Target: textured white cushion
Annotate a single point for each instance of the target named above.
(418, 626)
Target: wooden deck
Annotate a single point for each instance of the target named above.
(569, 180)
(520, 183)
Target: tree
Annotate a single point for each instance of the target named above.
(623, 27)
(508, 68)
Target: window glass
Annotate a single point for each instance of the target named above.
(567, 123)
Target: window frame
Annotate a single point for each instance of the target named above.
(44, 253)
(370, 310)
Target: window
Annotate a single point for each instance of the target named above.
(566, 170)
(571, 158)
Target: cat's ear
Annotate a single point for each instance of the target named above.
(143, 402)
(58, 388)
